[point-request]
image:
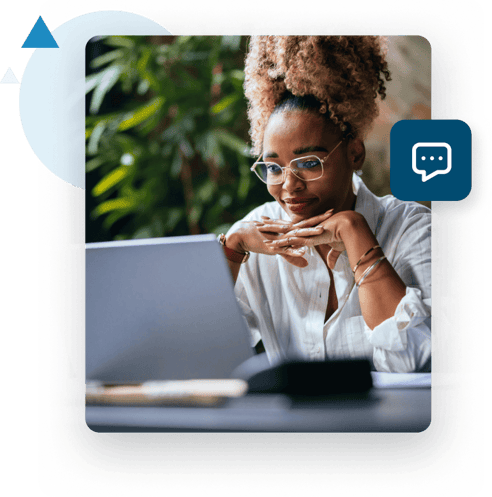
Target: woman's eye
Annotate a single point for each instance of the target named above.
(308, 164)
(273, 168)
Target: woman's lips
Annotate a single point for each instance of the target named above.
(298, 204)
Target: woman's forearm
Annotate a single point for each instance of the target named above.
(234, 243)
(382, 289)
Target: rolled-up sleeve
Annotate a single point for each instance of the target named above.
(402, 343)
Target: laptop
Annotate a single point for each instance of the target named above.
(161, 309)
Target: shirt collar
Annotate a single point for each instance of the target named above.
(367, 203)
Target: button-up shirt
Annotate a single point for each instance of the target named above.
(285, 306)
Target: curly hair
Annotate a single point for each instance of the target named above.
(344, 74)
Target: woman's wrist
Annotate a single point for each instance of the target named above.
(234, 242)
(358, 239)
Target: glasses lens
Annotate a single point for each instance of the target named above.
(307, 168)
(269, 172)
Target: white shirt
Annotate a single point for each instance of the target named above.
(285, 306)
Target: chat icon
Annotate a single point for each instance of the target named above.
(430, 159)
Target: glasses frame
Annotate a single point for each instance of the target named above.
(284, 168)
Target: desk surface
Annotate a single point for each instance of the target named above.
(382, 410)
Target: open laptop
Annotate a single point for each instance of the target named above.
(161, 309)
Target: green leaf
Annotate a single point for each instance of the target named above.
(176, 166)
(94, 164)
(109, 77)
(206, 191)
(107, 58)
(174, 216)
(186, 148)
(231, 42)
(114, 204)
(92, 81)
(140, 115)
(120, 41)
(224, 103)
(225, 200)
(232, 141)
(237, 74)
(112, 217)
(143, 232)
(110, 180)
(243, 187)
(96, 134)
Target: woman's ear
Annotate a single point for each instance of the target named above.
(356, 153)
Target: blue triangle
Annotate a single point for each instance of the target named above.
(40, 37)
(9, 77)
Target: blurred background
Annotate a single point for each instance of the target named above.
(167, 145)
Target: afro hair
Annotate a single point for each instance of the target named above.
(345, 74)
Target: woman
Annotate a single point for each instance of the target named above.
(333, 271)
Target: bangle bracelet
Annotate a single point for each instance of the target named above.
(360, 260)
(368, 270)
(230, 254)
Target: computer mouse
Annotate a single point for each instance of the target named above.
(308, 378)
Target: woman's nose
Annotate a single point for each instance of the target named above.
(291, 181)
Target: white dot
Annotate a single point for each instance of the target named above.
(432, 157)
(127, 159)
(423, 157)
(440, 158)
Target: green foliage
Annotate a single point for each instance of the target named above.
(166, 137)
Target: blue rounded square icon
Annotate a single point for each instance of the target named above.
(430, 160)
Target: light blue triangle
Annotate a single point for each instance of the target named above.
(40, 36)
(9, 78)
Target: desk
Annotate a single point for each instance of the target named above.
(389, 408)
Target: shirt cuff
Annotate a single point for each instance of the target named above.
(391, 334)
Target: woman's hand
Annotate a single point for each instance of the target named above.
(325, 229)
(247, 238)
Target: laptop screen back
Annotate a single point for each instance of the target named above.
(161, 309)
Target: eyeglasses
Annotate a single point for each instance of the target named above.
(309, 168)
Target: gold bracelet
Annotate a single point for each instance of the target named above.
(360, 260)
(368, 270)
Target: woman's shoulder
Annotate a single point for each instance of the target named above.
(399, 218)
(397, 207)
(388, 203)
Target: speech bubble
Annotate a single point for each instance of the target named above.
(430, 159)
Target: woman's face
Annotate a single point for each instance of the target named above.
(293, 134)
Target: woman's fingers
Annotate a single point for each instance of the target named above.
(269, 228)
(295, 261)
(274, 228)
(313, 221)
(291, 241)
(332, 258)
(268, 220)
(284, 243)
(315, 230)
